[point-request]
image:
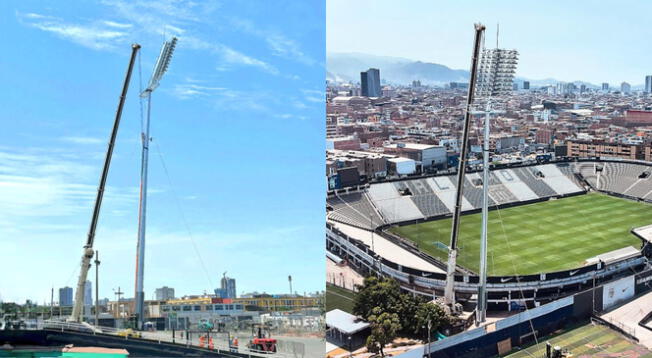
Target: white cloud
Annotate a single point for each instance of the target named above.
(97, 35)
(117, 24)
(173, 17)
(226, 98)
(192, 89)
(166, 17)
(232, 56)
(82, 140)
(290, 116)
(49, 185)
(315, 96)
(279, 44)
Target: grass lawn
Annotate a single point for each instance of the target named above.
(589, 341)
(543, 237)
(337, 297)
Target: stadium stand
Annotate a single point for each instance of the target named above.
(588, 172)
(359, 212)
(557, 180)
(618, 177)
(537, 185)
(445, 191)
(641, 188)
(420, 198)
(572, 174)
(515, 185)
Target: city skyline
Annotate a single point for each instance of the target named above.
(596, 52)
(238, 83)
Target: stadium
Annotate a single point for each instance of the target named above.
(555, 229)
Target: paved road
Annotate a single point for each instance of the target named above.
(388, 249)
(629, 314)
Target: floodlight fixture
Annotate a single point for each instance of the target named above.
(161, 66)
(496, 72)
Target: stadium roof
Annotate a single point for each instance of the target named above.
(644, 232)
(615, 255)
(345, 322)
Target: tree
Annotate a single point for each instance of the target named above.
(384, 293)
(384, 328)
(407, 310)
(429, 312)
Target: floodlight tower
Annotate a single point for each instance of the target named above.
(159, 69)
(449, 293)
(495, 77)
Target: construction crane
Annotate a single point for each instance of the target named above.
(449, 293)
(159, 69)
(87, 253)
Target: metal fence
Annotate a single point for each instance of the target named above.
(285, 349)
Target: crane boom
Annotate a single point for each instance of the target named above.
(87, 253)
(449, 293)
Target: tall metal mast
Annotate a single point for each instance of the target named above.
(87, 253)
(161, 66)
(449, 293)
(482, 287)
(496, 74)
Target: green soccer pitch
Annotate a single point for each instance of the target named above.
(588, 341)
(547, 236)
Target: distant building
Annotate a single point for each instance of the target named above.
(515, 86)
(635, 118)
(401, 166)
(648, 84)
(370, 83)
(164, 293)
(506, 143)
(458, 85)
(369, 164)
(65, 296)
(526, 85)
(582, 88)
(625, 88)
(88, 293)
(227, 288)
(605, 86)
(579, 148)
(426, 156)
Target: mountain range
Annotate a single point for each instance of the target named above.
(346, 67)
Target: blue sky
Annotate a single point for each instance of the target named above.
(237, 121)
(596, 41)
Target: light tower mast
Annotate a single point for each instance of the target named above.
(495, 78)
(159, 69)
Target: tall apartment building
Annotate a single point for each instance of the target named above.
(164, 293)
(227, 288)
(65, 296)
(625, 88)
(88, 293)
(370, 83)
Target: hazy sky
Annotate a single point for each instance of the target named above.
(595, 41)
(238, 121)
